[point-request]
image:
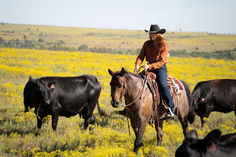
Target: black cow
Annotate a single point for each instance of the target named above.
(213, 145)
(214, 95)
(63, 96)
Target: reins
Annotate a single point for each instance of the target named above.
(140, 91)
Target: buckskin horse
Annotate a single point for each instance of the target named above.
(139, 104)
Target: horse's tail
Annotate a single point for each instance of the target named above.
(191, 114)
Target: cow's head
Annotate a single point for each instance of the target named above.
(118, 86)
(193, 147)
(28, 95)
(43, 90)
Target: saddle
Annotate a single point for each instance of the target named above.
(174, 85)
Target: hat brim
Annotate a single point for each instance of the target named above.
(162, 31)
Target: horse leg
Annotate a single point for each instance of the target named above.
(136, 130)
(158, 127)
(184, 124)
(183, 118)
(138, 141)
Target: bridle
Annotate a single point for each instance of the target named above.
(139, 92)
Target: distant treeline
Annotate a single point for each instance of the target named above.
(59, 45)
(224, 54)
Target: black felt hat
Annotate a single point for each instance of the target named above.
(155, 29)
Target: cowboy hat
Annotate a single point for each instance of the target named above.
(155, 29)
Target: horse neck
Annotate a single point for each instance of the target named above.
(133, 85)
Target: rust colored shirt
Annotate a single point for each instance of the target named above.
(156, 57)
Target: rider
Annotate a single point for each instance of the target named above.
(156, 52)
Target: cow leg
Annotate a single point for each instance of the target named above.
(54, 122)
(55, 115)
(158, 127)
(138, 141)
(202, 121)
(89, 118)
(86, 117)
(39, 125)
(202, 118)
(55, 109)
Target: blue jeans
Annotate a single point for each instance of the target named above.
(161, 79)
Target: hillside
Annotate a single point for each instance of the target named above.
(114, 41)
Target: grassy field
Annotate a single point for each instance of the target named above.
(122, 41)
(109, 136)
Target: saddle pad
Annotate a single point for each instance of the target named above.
(174, 84)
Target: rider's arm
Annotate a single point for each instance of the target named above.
(141, 55)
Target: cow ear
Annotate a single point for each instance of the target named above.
(212, 139)
(51, 85)
(123, 71)
(192, 134)
(110, 72)
(31, 79)
(191, 137)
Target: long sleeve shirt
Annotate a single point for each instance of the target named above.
(156, 57)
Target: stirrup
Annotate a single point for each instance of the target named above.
(171, 113)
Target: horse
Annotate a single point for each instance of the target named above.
(139, 104)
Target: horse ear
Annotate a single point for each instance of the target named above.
(123, 71)
(110, 72)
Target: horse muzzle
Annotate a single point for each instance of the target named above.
(116, 104)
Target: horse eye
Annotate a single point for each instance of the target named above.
(119, 85)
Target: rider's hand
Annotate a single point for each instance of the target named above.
(146, 67)
(136, 68)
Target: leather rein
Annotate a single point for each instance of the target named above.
(139, 92)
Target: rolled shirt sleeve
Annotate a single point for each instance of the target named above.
(141, 55)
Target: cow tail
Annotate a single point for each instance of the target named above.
(191, 114)
(100, 111)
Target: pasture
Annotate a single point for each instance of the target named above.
(110, 135)
(109, 40)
